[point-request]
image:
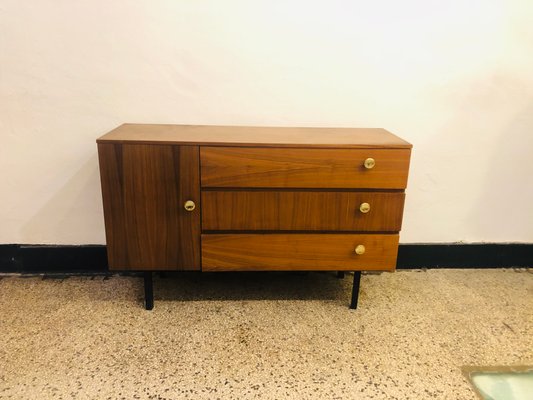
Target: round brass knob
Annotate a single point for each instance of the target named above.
(189, 205)
(370, 163)
(364, 208)
(360, 249)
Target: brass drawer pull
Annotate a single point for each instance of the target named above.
(189, 205)
(360, 249)
(364, 208)
(370, 163)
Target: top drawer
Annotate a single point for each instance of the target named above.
(304, 168)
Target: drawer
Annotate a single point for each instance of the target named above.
(303, 168)
(307, 252)
(301, 210)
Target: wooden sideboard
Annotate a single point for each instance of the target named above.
(234, 198)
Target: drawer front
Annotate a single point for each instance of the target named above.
(301, 211)
(303, 168)
(307, 252)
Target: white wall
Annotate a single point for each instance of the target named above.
(453, 77)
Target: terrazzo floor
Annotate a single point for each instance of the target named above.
(261, 335)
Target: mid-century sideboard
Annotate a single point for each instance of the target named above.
(235, 198)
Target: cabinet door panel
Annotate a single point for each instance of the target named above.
(144, 188)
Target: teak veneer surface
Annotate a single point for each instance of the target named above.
(278, 252)
(301, 211)
(143, 187)
(303, 168)
(266, 198)
(254, 135)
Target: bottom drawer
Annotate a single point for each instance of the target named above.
(307, 252)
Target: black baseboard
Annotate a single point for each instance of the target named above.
(53, 258)
(482, 255)
(93, 258)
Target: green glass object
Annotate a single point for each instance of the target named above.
(505, 385)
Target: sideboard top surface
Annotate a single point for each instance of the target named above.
(254, 136)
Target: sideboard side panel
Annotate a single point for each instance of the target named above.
(110, 160)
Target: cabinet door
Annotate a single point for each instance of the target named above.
(144, 188)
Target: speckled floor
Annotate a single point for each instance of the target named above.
(260, 335)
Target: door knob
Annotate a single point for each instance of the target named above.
(189, 205)
(370, 163)
(360, 249)
(364, 208)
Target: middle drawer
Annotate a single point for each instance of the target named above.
(250, 210)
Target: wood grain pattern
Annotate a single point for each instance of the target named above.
(303, 168)
(143, 187)
(250, 252)
(301, 211)
(188, 175)
(110, 161)
(299, 188)
(254, 136)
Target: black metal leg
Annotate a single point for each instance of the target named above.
(148, 291)
(340, 274)
(355, 289)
